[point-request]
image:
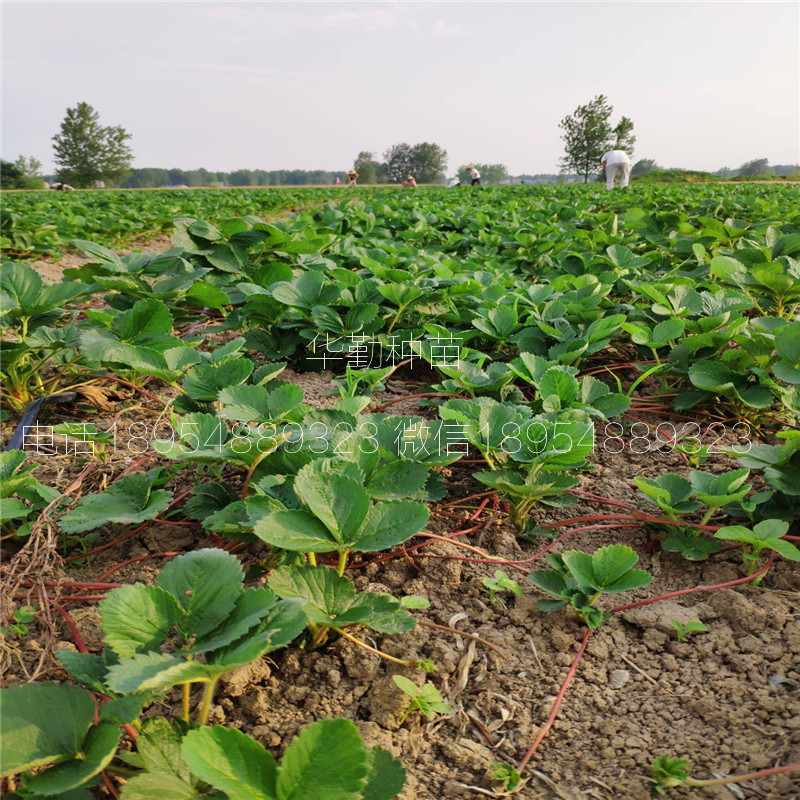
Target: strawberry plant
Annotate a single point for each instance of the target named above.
(56, 727)
(220, 626)
(22, 495)
(331, 602)
(766, 535)
(579, 579)
(500, 583)
(682, 630)
(339, 516)
(677, 497)
(426, 698)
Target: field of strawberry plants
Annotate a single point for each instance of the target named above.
(47, 222)
(445, 493)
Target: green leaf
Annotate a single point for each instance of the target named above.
(549, 581)
(137, 617)
(96, 754)
(295, 530)
(157, 786)
(43, 723)
(386, 776)
(131, 499)
(331, 600)
(389, 524)
(206, 583)
(87, 669)
(251, 607)
(158, 671)
(397, 480)
(231, 761)
(339, 502)
(327, 761)
(159, 746)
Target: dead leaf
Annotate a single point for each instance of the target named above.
(96, 396)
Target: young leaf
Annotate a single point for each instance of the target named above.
(331, 600)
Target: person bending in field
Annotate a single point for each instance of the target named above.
(409, 182)
(474, 175)
(456, 181)
(352, 178)
(616, 164)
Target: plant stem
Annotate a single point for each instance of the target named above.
(312, 559)
(373, 650)
(554, 710)
(741, 778)
(208, 695)
(187, 687)
(342, 562)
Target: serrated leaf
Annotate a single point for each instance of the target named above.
(137, 617)
(130, 500)
(206, 583)
(231, 761)
(327, 761)
(386, 776)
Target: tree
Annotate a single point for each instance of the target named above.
(22, 174)
(588, 134)
(367, 167)
(643, 166)
(398, 162)
(623, 136)
(10, 176)
(758, 166)
(86, 151)
(428, 162)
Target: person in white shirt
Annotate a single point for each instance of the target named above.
(616, 162)
(474, 174)
(456, 181)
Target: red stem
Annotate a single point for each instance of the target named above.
(554, 710)
(681, 592)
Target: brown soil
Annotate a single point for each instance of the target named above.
(729, 699)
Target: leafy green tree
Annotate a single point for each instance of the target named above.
(428, 162)
(367, 167)
(399, 162)
(643, 166)
(588, 134)
(86, 151)
(623, 136)
(242, 177)
(10, 176)
(22, 174)
(758, 166)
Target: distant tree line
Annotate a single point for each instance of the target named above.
(152, 177)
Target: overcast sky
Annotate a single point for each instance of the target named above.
(308, 85)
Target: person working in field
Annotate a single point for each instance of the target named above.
(474, 175)
(455, 181)
(616, 163)
(409, 182)
(352, 178)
